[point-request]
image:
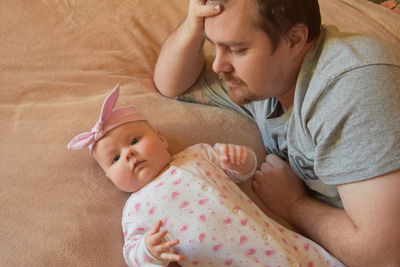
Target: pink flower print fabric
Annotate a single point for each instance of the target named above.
(215, 222)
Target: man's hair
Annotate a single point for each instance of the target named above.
(277, 17)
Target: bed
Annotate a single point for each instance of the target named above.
(59, 59)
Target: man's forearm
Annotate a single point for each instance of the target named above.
(180, 61)
(333, 229)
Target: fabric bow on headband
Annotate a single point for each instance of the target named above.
(109, 119)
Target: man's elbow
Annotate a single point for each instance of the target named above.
(165, 90)
(166, 93)
(170, 89)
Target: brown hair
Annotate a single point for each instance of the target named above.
(277, 17)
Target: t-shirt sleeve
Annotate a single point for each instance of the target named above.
(356, 125)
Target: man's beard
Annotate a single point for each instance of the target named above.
(240, 94)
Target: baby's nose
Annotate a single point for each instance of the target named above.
(130, 153)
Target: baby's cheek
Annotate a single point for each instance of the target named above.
(118, 177)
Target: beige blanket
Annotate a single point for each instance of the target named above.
(58, 61)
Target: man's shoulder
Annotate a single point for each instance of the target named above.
(337, 54)
(350, 50)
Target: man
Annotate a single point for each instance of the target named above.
(327, 106)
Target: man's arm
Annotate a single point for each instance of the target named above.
(365, 233)
(181, 57)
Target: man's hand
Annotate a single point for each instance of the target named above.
(278, 186)
(198, 10)
(369, 234)
(160, 248)
(181, 57)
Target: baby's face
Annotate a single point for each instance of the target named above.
(132, 155)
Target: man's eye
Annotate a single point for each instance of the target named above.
(134, 140)
(115, 159)
(238, 51)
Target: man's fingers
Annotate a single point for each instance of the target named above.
(208, 10)
(265, 167)
(272, 159)
(257, 175)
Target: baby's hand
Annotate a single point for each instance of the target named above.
(160, 248)
(236, 158)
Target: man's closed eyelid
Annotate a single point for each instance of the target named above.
(238, 51)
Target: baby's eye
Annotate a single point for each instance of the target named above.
(115, 159)
(134, 140)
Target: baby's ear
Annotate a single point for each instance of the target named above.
(162, 137)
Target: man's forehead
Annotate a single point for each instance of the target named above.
(233, 27)
(229, 43)
(225, 2)
(214, 2)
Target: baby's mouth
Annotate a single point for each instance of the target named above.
(136, 164)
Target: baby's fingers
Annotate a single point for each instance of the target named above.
(157, 238)
(237, 154)
(172, 257)
(223, 152)
(244, 155)
(156, 228)
(165, 247)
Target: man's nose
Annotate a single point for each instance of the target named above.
(221, 63)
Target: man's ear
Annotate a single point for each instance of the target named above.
(162, 137)
(298, 36)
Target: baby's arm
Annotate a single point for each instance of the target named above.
(148, 248)
(239, 161)
(159, 247)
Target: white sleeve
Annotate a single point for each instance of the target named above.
(135, 250)
(234, 175)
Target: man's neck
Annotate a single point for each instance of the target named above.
(287, 98)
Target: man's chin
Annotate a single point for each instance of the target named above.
(237, 96)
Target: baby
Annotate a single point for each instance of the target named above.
(210, 221)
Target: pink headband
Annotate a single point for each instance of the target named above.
(109, 119)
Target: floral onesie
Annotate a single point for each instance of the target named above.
(214, 220)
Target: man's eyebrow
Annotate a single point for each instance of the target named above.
(229, 44)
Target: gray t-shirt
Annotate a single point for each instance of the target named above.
(344, 124)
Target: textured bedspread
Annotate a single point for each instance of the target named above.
(58, 61)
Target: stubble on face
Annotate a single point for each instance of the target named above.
(240, 94)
